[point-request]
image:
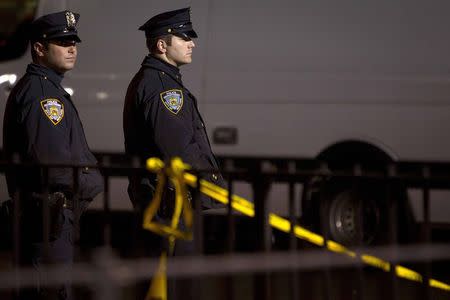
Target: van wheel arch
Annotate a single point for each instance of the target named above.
(356, 211)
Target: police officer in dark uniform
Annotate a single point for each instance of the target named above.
(42, 125)
(161, 117)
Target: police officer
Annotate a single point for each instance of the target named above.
(42, 125)
(161, 117)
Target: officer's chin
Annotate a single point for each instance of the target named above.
(188, 60)
(68, 66)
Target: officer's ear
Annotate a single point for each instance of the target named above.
(161, 45)
(39, 49)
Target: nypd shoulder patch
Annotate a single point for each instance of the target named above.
(173, 100)
(53, 109)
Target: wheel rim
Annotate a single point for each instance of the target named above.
(343, 220)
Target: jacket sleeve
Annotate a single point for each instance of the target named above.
(46, 127)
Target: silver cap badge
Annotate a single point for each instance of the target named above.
(70, 18)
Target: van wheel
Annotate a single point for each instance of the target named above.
(356, 214)
(349, 210)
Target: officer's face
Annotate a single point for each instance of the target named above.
(59, 55)
(180, 51)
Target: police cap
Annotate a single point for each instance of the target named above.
(56, 25)
(170, 22)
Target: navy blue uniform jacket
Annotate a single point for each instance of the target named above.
(42, 125)
(161, 119)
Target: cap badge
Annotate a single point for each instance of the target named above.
(70, 19)
(173, 100)
(53, 109)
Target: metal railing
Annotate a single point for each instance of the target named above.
(110, 273)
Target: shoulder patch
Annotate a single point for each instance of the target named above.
(173, 100)
(53, 109)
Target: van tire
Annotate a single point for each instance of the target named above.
(339, 201)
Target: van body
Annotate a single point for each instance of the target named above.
(287, 78)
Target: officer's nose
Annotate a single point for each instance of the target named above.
(73, 49)
(192, 44)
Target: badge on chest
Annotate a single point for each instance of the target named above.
(173, 100)
(53, 109)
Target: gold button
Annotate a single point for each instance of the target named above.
(86, 168)
(214, 176)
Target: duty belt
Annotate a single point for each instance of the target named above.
(55, 199)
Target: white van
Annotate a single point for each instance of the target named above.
(341, 79)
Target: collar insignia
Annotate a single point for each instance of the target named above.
(70, 19)
(53, 109)
(173, 100)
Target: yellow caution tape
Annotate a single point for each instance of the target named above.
(247, 208)
(221, 195)
(158, 285)
(338, 248)
(305, 234)
(175, 172)
(407, 273)
(376, 262)
(440, 285)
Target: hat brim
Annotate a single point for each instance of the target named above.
(58, 35)
(189, 33)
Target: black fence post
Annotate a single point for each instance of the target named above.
(198, 233)
(426, 238)
(16, 238)
(76, 203)
(261, 187)
(393, 227)
(293, 245)
(13, 164)
(324, 213)
(358, 293)
(231, 237)
(198, 218)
